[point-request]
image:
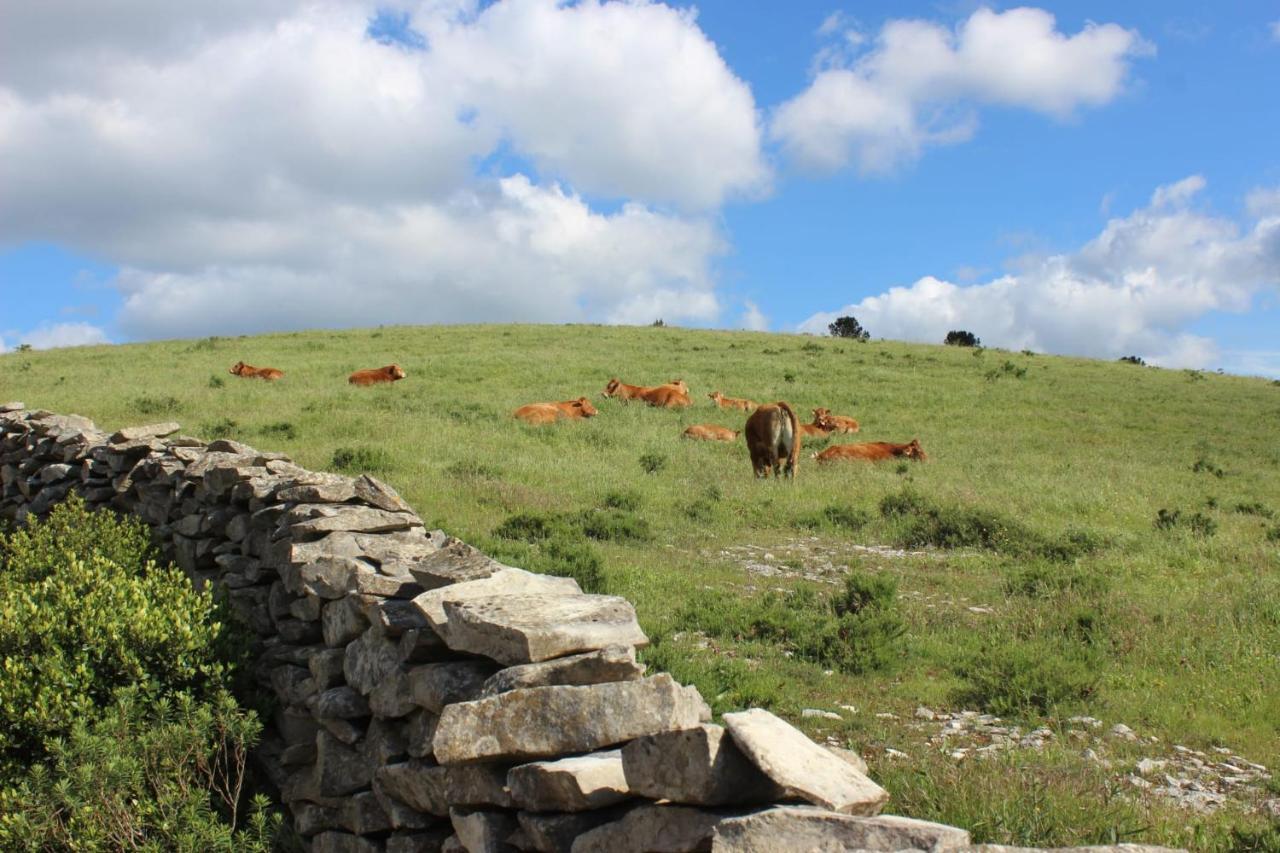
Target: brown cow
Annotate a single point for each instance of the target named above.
(839, 423)
(872, 451)
(248, 371)
(546, 413)
(732, 402)
(821, 427)
(773, 439)
(673, 395)
(711, 432)
(390, 373)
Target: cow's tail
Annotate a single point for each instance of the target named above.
(794, 459)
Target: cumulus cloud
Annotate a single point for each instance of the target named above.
(919, 84)
(753, 318)
(258, 165)
(51, 336)
(1133, 289)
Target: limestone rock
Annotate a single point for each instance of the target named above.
(478, 785)
(430, 840)
(341, 703)
(698, 766)
(368, 660)
(363, 815)
(653, 828)
(502, 582)
(455, 562)
(812, 829)
(341, 622)
(484, 830)
(801, 767)
(574, 784)
(342, 842)
(542, 722)
(611, 663)
(419, 784)
(139, 433)
(555, 833)
(435, 685)
(339, 769)
(393, 697)
(354, 519)
(516, 629)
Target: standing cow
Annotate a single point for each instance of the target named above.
(773, 439)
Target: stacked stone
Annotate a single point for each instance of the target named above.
(431, 698)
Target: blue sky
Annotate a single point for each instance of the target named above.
(1084, 178)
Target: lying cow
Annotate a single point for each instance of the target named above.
(711, 432)
(547, 413)
(673, 395)
(839, 423)
(773, 440)
(390, 373)
(872, 451)
(821, 427)
(249, 371)
(732, 402)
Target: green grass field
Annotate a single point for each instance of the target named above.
(1036, 575)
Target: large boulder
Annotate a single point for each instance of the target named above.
(698, 766)
(574, 784)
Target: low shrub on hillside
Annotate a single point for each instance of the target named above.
(856, 630)
(839, 517)
(1017, 678)
(363, 460)
(1255, 508)
(1197, 523)
(219, 428)
(921, 521)
(625, 500)
(536, 544)
(283, 430)
(148, 405)
(652, 463)
(1046, 580)
(1208, 466)
(117, 725)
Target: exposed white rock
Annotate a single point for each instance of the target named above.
(573, 784)
(526, 628)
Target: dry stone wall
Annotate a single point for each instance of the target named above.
(431, 698)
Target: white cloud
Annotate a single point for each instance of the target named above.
(919, 84)
(753, 318)
(62, 335)
(1133, 289)
(265, 164)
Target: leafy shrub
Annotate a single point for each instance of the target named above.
(788, 376)
(652, 463)
(613, 525)
(361, 459)
(1198, 523)
(699, 510)
(960, 338)
(1046, 580)
(282, 430)
(625, 500)
(471, 469)
(1167, 519)
(529, 527)
(549, 545)
(220, 428)
(216, 381)
(117, 727)
(1021, 678)
(848, 327)
(839, 517)
(1273, 534)
(1006, 369)
(811, 347)
(1133, 359)
(146, 405)
(1255, 508)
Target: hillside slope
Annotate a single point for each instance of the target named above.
(1087, 538)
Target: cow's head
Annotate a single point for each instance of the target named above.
(914, 451)
(820, 413)
(583, 405)
(823, 421)
(237, 369)
(395, 371)
(611, 388)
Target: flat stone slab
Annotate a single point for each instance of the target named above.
(812, 829)
(575, 784)
(484, 830)
(140, 433)
(698, 766)
(801, 767)
(422, 785)
(544, 722)
(516, 629)
(654, 828)
(455, 562)
(352, 519)
(502, 582)
(612, 663)
(550, 832)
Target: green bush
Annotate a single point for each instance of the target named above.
(613, 525)
(624, 500)
(529, 527)
(146, 405)
(1046, 580)
(921, 521)
(652, 463)
(837, 517)
(117, 727)
(361, 459)
(1021, 678)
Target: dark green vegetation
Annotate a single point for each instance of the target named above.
(118, 729)
(1036, 581)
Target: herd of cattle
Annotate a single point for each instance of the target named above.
(773, 431)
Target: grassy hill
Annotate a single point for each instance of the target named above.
(1087, 538)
